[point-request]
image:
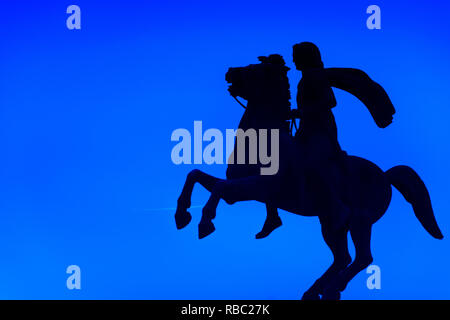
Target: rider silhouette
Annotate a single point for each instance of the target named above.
(315, 176)
(317, 134)
(317, 138)
(315, 99)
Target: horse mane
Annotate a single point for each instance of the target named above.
(276, 60)
(280, 84)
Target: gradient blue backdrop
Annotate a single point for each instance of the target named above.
(86, 116)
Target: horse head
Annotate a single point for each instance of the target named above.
(264, 85)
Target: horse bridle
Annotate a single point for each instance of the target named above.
(293, 122)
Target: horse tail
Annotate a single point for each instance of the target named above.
(408, 182)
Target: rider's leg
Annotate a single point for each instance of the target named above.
(326, 175)
(332, 208)
(272, 222)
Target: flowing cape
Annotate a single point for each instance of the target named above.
(370, 93)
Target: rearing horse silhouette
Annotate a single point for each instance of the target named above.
(368, 189)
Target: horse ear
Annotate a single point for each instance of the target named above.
(276, 59)
(263, 59)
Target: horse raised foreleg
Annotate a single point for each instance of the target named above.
(259, 188)
(337, 242)
(182, 216)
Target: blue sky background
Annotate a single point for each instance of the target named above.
(85, 124)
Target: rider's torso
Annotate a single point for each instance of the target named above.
(315, 99)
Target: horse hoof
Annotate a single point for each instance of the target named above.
(205, 229)
(333, 295)
(310, 296)
(182, 219)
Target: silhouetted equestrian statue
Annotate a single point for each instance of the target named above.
(315, 177)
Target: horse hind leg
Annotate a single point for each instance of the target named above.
(361, 235)
(182, 216)
(338, 243)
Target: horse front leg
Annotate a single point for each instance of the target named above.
(182, 216)
(206, 227)
(259, 188)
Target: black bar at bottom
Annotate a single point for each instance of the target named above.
(229, 309)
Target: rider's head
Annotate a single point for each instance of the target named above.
(306, 55)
